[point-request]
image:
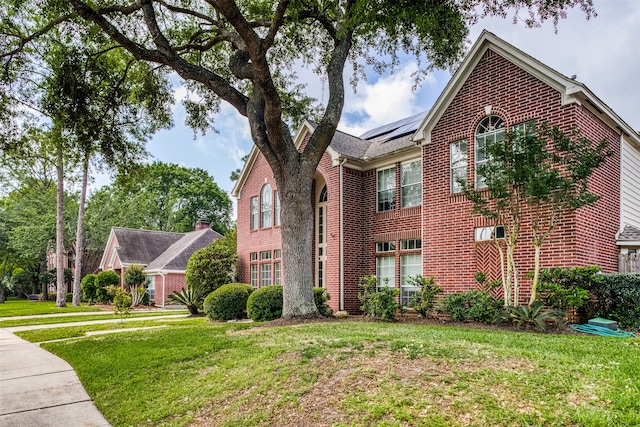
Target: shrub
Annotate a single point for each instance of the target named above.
(422, 301)
(565, 288)
(102, 281)
(213, 266)
(474, 305)
(382, 303)
(191, 297)
(321, 296)
(69, 297)
(265, 304)
(534, 316)
(122, 302)
(89, 289)
(228, 302)
(616, 298)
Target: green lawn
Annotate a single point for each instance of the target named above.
(85, 318)
(23, 307)
(356, 374)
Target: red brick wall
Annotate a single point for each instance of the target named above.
(172, 282)
(449, 251)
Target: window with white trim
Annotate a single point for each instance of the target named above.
(385, 246)
(264, 255)
(458, 159)
(411, 184)
(254, 275)
(266, 205)
(410, 244)
(276, 208)
(482, 234)
(410, 266)
(265, 275)
(489, 131)
(386, 271)
(151, 287)
(253, 222)
(386, 189)
(277, 273)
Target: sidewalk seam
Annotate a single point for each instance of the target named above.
(46, 407)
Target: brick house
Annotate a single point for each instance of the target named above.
(163, 255)
(387, 202)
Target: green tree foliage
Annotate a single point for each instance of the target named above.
(542, 172)
(213, 266)
(134, 276)
(241, 53)
(89, 289)
(103, 280)
(157, 196)
(122, 303)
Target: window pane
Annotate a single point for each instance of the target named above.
(387, 189)
(265, 218)
(489, 131)
(276, 209)
(386, 271)
(410, 265)
(276, 273)
(254, 275)
(265, 275)
(254, 213)
(458, 152)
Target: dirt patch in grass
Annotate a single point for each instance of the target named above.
(370, 386)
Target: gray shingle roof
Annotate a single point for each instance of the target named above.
(383, 140)
(178, 254)
(629, 234)
(142, 246)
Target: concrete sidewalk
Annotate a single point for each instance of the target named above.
(40, 389)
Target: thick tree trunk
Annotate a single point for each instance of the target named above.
(61, 300)
(80, 234)
(297, 247)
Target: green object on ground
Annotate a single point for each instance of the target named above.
(605, 323)
(602, 331)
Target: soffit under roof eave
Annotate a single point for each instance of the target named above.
(408, 153)
(628, 242)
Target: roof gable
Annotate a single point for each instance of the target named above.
(176, 257)
(571, 91)
(142, 246)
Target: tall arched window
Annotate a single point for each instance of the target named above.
(489, 131)
(265, 207)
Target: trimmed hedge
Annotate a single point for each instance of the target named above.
(616, 298)
(265, 304)
(228, 302)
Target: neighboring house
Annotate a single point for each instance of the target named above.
(163, 255)
(388, 202)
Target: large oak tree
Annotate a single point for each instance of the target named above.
(241, 52)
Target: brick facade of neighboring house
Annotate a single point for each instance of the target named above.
(163, 255)
(435, 234)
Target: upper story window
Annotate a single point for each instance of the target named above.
(276, 208)
(458, 156)
(482, 234)
(411, 184)
(387, 189)
(253, 223)
(489, 131)
(323, 195)
(265, 211)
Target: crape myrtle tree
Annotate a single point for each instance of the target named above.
(537, 172)
(241, 52)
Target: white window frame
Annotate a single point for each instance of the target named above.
(253, 268)
(484, 234)
(405, 200)
(151, 287)
(277, 273)
(495, 130)
(253, 219)
(410, 266)
(459, 164)
(388, 171)
(265, 274)
(386, 269)
(276, 208)
(266, 206)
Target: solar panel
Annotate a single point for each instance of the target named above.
(397, 128)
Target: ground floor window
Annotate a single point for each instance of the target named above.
(386, 271)
(410, 266)
(277, 273)
(254, 275)
(265, 275)
(151, 287)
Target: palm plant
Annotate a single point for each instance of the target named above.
(534, 315)
(191, 296)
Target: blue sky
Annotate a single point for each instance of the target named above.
(602, 52)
